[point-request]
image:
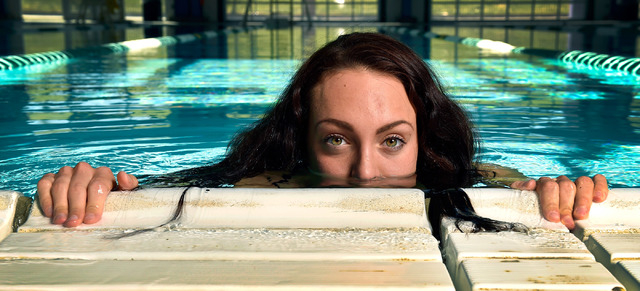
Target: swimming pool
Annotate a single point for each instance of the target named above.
(176, 107)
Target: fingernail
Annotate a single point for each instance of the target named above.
(72, 218)
(60, 218)
(581, 211)
(48, 212)
(598, 196)
(554, 216)
(567, 221)
(89, 217)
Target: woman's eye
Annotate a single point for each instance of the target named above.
(335, 140)
(393, 142)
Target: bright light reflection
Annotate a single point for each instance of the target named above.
(496, 46)
(135, 45)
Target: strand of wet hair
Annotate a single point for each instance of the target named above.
(453, 203)
(456, 204)
(177, 214)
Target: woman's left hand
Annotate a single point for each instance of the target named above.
(563, 200)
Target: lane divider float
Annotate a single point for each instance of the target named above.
(589, 60)
(18, 61)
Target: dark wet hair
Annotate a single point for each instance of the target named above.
(278, 142)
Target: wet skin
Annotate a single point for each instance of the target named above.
(363, 128)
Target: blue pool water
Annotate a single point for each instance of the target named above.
(159, 111)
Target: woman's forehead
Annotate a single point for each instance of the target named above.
(353, 78)
(360, 91)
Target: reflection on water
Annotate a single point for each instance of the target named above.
(175, 108)
(544, 118)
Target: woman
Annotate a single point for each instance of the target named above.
(364, 110)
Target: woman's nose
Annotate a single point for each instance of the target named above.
(364, 165)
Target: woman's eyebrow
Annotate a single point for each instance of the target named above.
(392, 125)
(347, 126)
(336, 122)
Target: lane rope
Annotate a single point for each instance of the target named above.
(18, 61)
(582, 59)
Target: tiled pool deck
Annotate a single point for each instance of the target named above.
(228, 239)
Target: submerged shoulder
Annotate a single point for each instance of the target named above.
(275, 179)
(497, 175)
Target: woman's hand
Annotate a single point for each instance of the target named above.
(77, 195)
(563, 200)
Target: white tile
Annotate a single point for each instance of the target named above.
(259, 208)
(514, 274)
(8, 202)
(307, 208)
(302, 239)
(537, 244)
(614, 247)
(586, 228)
(617, 214)
(205, 275)
(620, 253)
(226, 244)
(628, 273)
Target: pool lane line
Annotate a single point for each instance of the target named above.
(590, 60)
(19, 61)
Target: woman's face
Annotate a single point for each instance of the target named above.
(362, 130)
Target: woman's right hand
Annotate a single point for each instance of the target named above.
(77, 195)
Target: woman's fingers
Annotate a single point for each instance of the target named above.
(59, 195)
(44, 194)
(584, 197)
(98, 188)
(126, 181)
(549, 195)
(524, 185)
(563, 200)
(600, 189)
(77, 193)
(567, 195)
